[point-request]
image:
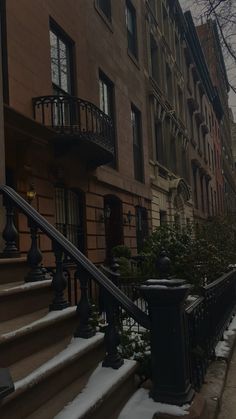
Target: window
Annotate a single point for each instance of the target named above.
(137, 144)
(165, 23)
(131, 25)
(202, 194)
(152, 4)
(163, 217)
(106, 96)
(180, 102)
(141, 226)
(173, 155)
(154, 59)
(105, 6)
(159, 140)
(195, 192)
(61, 62)
(169, 83)
(177, 50)
(69, 215)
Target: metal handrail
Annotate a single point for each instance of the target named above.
(78, 257)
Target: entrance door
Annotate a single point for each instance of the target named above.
(69, 215)
(113, 223)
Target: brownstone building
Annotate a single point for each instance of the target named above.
(75, 119)
(204, 115)
(210, 41)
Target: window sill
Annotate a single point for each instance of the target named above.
(104, 17)
(133, 58)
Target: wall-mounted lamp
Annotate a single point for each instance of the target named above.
(106, 214)
(128, 218)
(31, 194)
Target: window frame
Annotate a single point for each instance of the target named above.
(109, 83)
(129, 8)
(64, 37)
(108, 15)
(137, 145)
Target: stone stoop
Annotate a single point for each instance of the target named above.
(51, 370)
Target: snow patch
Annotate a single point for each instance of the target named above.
(141, 406)
(27, 285)
(52, 315)
(75, 347)
(99, 383)
(222, 349)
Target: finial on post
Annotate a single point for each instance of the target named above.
(163, 265)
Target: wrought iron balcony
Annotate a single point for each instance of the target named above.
(74, 121)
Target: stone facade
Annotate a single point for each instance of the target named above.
(99, 46)
(211, 45)
(141, 63)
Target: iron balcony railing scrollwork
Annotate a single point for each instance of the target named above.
(207, 319)
(72, 116)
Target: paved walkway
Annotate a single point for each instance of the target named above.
(228, 407)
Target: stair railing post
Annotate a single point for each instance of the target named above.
(10, 233)
(84, 308)
(59, 282)
(112, 337)
(34, 257)
(169, 340)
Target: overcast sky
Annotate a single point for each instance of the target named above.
(231, 68)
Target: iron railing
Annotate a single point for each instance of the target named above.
(72, 116)
(207, 319)
(13, 199)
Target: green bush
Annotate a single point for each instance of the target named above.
(198, 254)
(121, 251)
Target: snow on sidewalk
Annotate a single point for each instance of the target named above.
(222, 349)
(141, 406)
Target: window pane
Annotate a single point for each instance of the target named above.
(105, 6)
(131, 28)
(60, 62)
(54, 58)
(137, 145)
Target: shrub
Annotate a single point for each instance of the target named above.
(121, 251)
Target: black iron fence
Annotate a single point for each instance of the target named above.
(207, 319)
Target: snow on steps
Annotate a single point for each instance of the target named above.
(44, 321)
(32, 337)
(23, 299)
(13, 269)
(102, 383)
(44, 383)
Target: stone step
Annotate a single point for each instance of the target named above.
(73, 364)
(104, 393)
(24, 298)
(13, 269)
(22, 337)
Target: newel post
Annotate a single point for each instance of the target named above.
(84, 308)
(10, 233)
(169, 340)
(59, 282)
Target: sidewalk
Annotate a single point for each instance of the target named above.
(228, 404)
